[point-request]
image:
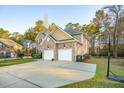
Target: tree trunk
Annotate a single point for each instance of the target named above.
(114, 39)
(92, 45)
(99, 44)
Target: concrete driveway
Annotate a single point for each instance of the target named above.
(45, 74)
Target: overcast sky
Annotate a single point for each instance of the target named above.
(20, 18)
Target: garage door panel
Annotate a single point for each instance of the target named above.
(65, 54)
(48, 54)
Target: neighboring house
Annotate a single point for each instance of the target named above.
(27, 43)
(61, 45)
(8, 48)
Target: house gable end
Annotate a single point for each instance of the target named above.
(59, 34)
(46, 39)
(48, 43)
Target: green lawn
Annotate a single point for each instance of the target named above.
(15, 61)
(100, 80)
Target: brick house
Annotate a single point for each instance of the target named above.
(8, 48)
(61, 45)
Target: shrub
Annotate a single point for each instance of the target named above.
(92, 52)
(104, 51)
(120, 50)
(20, 54)
(33, 52)
(37, 56)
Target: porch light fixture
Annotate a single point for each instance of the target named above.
(64, 46)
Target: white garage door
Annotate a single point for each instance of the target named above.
(48, 54)
(65, 54)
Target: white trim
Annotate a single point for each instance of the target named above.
(66, 41)
(52, 39)
(46, 38)
(38, 35)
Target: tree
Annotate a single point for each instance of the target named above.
(114, 11)
(30, 34)
(4, 33)
(17, 37)
(91, 30)
(120, 39)
(39, 26)
(103, 21)
(52, 26)
(73, 26)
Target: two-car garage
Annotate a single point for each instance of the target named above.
(63, 54)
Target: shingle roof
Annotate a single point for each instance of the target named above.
(72, 31)
(9, 42)
(68, 32)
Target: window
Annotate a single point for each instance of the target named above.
(1, 45)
